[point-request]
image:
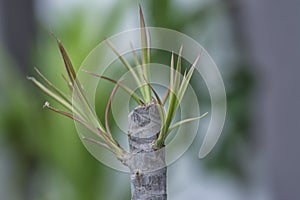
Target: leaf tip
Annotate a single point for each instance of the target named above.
(180, 50)
(142, 20)
(55, 37)
(197, 59)
(46, 104)
(140, 9)
(30, 78)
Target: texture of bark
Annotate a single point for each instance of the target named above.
(147, 164)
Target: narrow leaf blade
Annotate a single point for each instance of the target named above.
(186, 121)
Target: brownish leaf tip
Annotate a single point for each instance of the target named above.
(68, 64)
(55, 37)
(142, 20)
(108, 106)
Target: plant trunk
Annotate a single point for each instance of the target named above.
(147, 164)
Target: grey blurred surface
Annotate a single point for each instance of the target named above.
(18, 30)
(273, 32)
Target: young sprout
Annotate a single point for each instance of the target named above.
(85, 114)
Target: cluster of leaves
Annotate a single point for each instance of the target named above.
(86, 115)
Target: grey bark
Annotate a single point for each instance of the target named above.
(147, 164)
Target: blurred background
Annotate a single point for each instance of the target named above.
(256, 46)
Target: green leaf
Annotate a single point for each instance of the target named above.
(140, 70)
(145, 52)
(78, 89)
(186, 121)
(128, 66)
(76, 118)
(186, 79)
(178, 71)
(68, 83)
(97, 142)
(155, 93)
(107, 109)
(124, 87)
(172, 72)
(61, 94)
(56, 97)
(165, 97)
(109, 144)
(176, 94)
(53, 87)
(144, 38)
(68, 64)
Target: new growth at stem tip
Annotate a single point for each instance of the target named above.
(84, 112)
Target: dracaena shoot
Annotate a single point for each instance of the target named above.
(85, 114)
